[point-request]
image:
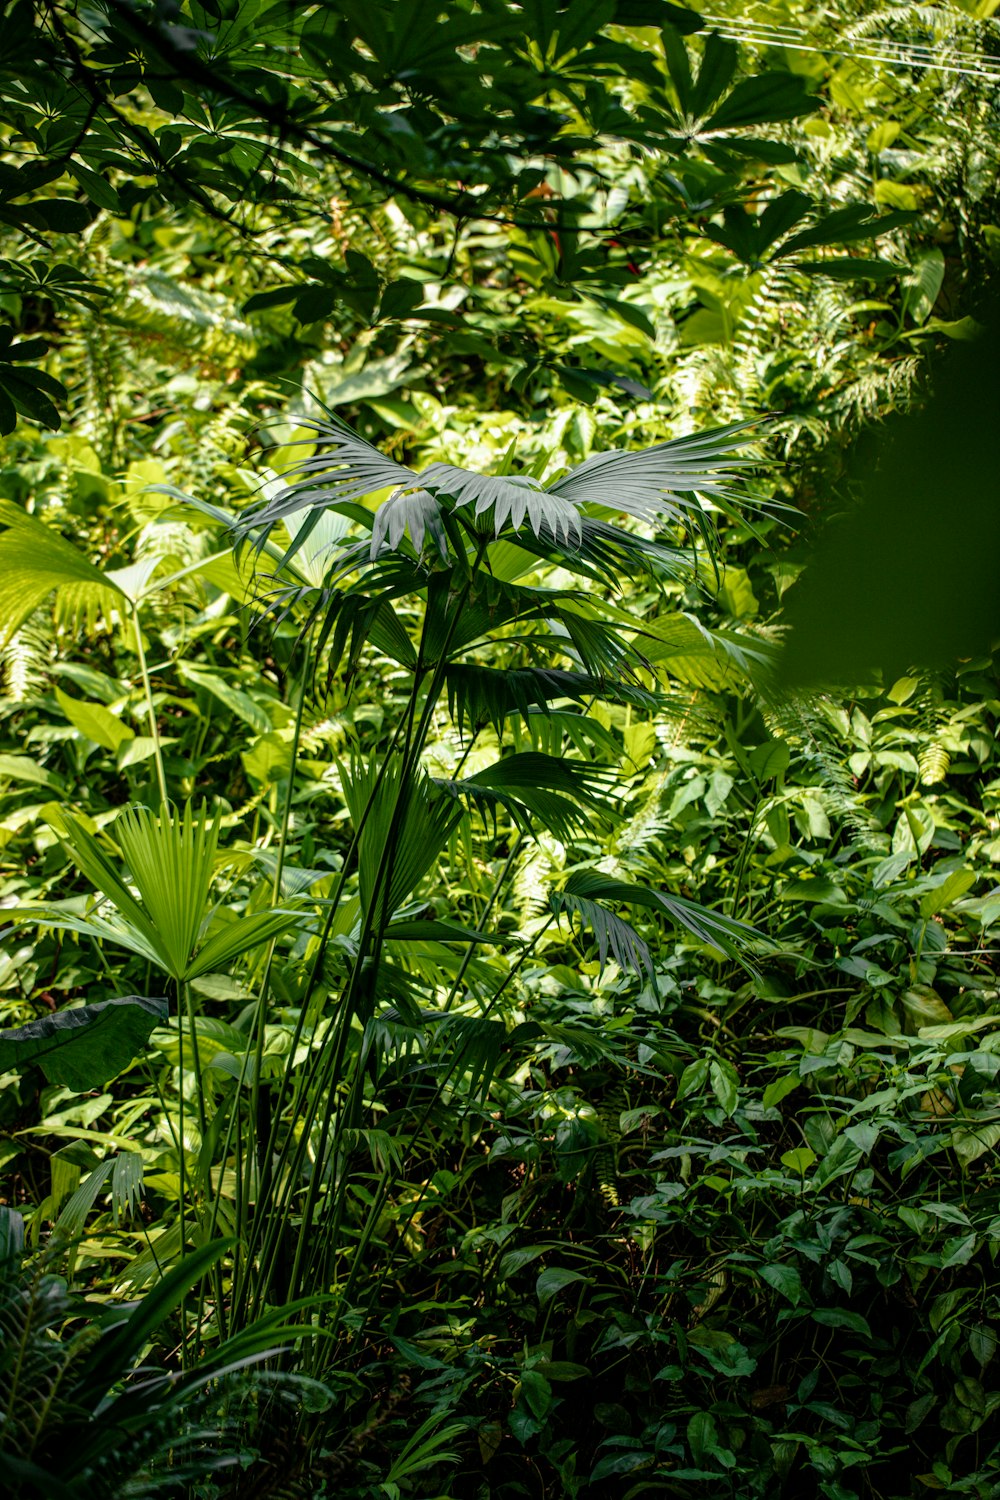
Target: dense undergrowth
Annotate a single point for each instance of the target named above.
(469, 1028)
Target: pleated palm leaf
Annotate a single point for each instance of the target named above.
(424, 823)
(666, 483)
(163, 907)
(36, 563)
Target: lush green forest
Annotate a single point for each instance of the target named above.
(498, 770)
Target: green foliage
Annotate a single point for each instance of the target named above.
(105, 1421)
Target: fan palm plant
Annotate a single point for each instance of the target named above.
(491, 598)
(450, 578)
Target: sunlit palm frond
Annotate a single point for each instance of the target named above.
(163, 905)
(664, 481)
(35, 562)
(316, 548)
(172, 862)
(413, 511)
(680, 645)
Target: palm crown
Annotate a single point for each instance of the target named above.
(668, 482)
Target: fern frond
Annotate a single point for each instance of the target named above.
(803, 720)
(25, 657)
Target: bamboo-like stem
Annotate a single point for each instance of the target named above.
(382, 1193)
(378, 910)
(147, 688)
(270, 1224)
(498, 884)
(262, 1127)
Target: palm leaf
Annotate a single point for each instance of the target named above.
(171, 860)
(237, 938)
(413, 511)
(36, 561)
(604, 550)
(57, 916)
(661, 481)
(512, 498)
(479, 695)
(347, 468)
(474, 1045)
(562, 795)
(423, 823)
(546, 729)
(125, 1173)
(316, 545)
(692, 653)
(664, 481)
(730, 936)
(614, 935)
(120, 1343)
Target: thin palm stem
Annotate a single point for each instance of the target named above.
(147, 688)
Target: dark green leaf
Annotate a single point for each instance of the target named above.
(84, 1048)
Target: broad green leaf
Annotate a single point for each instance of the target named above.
(702, 1436)
(725, 1084)
(516, 1260)
(21, 768)
(269, 758)
(693, 1079)
(11, 1235)
(85, 1047)
(769, 761)
(231, 697)
(786, 1280)
(95, 722)
(952, 889)
(799, 1160)
(780, 1089)
(553, 1280)
(842, 1317)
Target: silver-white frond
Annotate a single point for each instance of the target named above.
(665, 480)
(414, 511)
(658, 480)
(347, 468)
(512, 498)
